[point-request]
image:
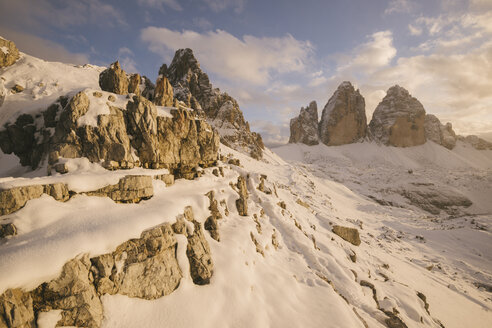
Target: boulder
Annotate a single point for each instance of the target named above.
(211, 223)
(130, 189)
(343, 120)
(114, 79)
(348, 234)
(199, 256)
(398, 119)
(304, 128)
(8, 53)
(192, 86)
(16, 309)
(7, 230)
(72, 292)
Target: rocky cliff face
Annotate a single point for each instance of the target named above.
(180, 142)
(192, 86)
(8, 53)
(398, 119)
(343, 119)
(441, 134)
(304, 128)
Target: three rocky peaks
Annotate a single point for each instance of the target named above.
(399, 120)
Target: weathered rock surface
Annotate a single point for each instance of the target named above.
(7, 230)
(16, 309)
(211, 223)
(72, 292)
(168, 179)
(440, 134)
(13, 199)
(476, 142)
(145, 267)
(343, 120)
(398, 119)
(192, 86)
(8, 53)
(114, 79)
(180, 143)
(130, 189)
(198, 252)
(163, 93)
(304, 128)
(242, 201)
(134, 84)
(348, 234)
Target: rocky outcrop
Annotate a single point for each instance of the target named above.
(181, 142)
(476, 142)
(211, 223)
(114, 79)
(192, 86)
(7, 230)
(73, 293)
(304, 128)
(16, 309)
(15, 198)
(8, 53)
(130, 189)
(242, 201)
(163, 93)
(146, 267)
(398, 120)
(436, 199)
(134, 84)
(440, 134)
(348, 234)
(343, 119)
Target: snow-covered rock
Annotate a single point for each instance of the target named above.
(343, 120)
(114, 79)
(398, 119)
(192, 86)
(8, 53)
(304, 128)
(441, 134)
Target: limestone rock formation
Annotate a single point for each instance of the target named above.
(148, 267)
(192, 86)
(7, 230)
(114, 79)
(180, 143)
(440, 134)
(476, 142)
(304, 128)
(130, 189)
(134, 84)
(163, 92)
(434, 200)
(343, 119)
(15, 198)
(8, 53)
(348, 234)
(242, 201)
(73, 293)
(211, 222)
(398, 119)
(16, 309)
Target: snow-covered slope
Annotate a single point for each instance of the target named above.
(425, 270)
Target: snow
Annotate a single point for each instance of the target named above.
(44, 82)
(403, 251)
(5, 50)
(100, 106)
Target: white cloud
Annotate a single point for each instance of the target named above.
(249, 59)
(202, 23)
(159, 4)
(399, 6)
(125, 51)
(220, 5)
(44, 49)
(370, 56)
(414, 30)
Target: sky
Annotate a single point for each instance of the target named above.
(275, 56)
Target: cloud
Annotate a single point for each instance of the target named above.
(221, 5)
(399, 6)
(159, 4)
(414, 30)
(44, 49)
(40, 14)
(273, 134)
(249, 59)
(202, 23)
(370, 56)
